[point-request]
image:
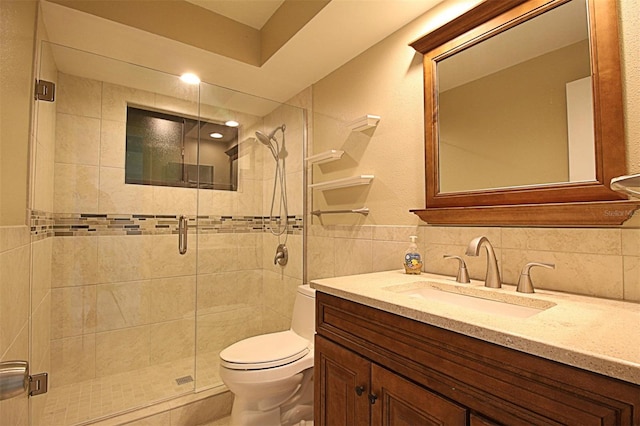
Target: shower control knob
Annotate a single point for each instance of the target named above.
(282, 255)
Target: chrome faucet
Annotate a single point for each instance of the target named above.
(492, 279)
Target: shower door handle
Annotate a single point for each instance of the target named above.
(14, 379)
(183, 225)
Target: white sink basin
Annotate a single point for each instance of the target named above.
(476, 299)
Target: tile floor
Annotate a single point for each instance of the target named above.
(97, 398)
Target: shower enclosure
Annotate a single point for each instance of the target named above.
(151, 238)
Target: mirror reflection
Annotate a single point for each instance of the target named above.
(516, 109)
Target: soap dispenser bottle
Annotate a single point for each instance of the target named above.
(412, 258)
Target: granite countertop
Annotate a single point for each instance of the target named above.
(594, 334)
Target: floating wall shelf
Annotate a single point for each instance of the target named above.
(363, 211)
(343, 183)
(325, 157)
(364, 123)
(626, 185)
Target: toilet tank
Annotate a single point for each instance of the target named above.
(303, 319)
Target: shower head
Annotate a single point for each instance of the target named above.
(266, 139)
(263, 138)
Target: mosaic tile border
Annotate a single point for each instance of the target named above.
(44, 224)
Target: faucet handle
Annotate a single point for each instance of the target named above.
(463, 274)
(525, 285)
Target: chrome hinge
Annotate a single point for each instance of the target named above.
(38, 384)
(45, 91)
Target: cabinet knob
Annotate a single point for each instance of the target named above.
(359, 390)
(372, 398)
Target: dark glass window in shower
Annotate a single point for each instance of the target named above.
(162, 149)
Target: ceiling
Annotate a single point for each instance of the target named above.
(254, 13)
(337, 32)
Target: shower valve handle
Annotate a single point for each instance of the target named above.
(282, 255)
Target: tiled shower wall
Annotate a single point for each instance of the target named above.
(123, 298)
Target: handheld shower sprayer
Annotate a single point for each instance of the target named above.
(279, 178)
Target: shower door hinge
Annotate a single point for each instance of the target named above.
(38, 384)
(45, 91)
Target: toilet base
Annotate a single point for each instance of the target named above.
(293, 410)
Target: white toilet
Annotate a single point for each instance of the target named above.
(271, 375)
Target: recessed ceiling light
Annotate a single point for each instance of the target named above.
(190, 78)
(216, 135)
(232, 123)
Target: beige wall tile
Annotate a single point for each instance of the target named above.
(250, 250)
(216, 331)
(574, 240)
(78, 96)
(352, 256)
(113, 143)
(118, 197)
(588, 274)
(76, 188)
(171, 298)
(14, 294)
(43, 186)
(250, 197)
(631, 278)
(41, 252)
(398, 233)
(13, 236)
(295, 193)
(461, 236)
(217, 202)
(74, 261)
(74, 311)
(171, 341)
(354, 232)
(320, 257)
(122, 350)
(631, 242)
(279, 292)
(273, 321)
(15, 411)
(77, 140)
(184, 102)
(217, 253)
(41, 335)
(167, 200)
(388, 255)
(121, 305)
(229, 291)
(166, 260)
(115, 99)
(126, 258)
(73, 360)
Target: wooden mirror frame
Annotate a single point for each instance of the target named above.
(575, 204)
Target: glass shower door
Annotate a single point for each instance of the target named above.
(108, 271)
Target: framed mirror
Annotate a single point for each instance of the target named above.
(523, 115)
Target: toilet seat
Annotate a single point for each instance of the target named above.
(265, 351)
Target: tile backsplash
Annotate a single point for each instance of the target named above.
(595, 262)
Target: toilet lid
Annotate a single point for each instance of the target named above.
(265, 351)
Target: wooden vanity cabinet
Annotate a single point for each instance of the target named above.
(374, 367)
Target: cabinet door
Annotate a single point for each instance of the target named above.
(341, 386)
(402, 403)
